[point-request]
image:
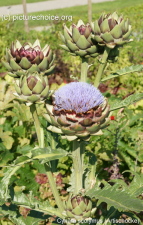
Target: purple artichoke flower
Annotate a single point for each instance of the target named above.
(78, 97)
(78, 111)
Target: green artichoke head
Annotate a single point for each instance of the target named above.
(78, 40)
(111, 30)
(28, 58)
(78, 111)
(32, 88)
(78, 207)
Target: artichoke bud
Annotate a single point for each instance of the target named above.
(78, 40)
(78, 207)
(28, 58)
(78, 111)
(32, 88)
(111, 30)
(85, 30)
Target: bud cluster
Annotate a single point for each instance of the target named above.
(29, 65)
(89, 40)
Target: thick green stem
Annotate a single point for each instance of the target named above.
(84, 69)
(82, 149)
(53, 146)
(40, 135)
(102, 67)
(38, 129)
(92, 177)
(77, 166)
(54, 188)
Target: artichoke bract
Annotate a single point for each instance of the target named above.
(111, 30)
(78, 40)
(78, 111)
(28, 58)
(78, 207)
(32, 88)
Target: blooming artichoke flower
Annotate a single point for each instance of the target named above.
(28, 59)
(78, 111)
(78, 207)
(32, 88)
(78, 40)
(111, 30)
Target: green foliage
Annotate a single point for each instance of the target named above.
(116, 197)
(45, 155)
(21, 199)
(124, 71)
(64, 165)
(11, 213)
(122, 139)
(127, 101)
(31, 202)
(6, 138)
(4, 191)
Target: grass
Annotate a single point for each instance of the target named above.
(121, 6)
(17, 2)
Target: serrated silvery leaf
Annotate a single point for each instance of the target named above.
(127, 101)
(48, 154)
(31, 202)
(4, 185)
(118, 198)
(124, 71)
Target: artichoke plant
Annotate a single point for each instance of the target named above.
(28, 58)
(111, 30)
(78, 40)
(78, 207)
(78, 111)
(32, 88)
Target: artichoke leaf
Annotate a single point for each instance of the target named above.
(72, 46)
(14, 65)
(104, 27)
(24, 63)
(44, 64)
(116, 32)
(107, 37)
(82, 43)
(38, 88)
(75, 34)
